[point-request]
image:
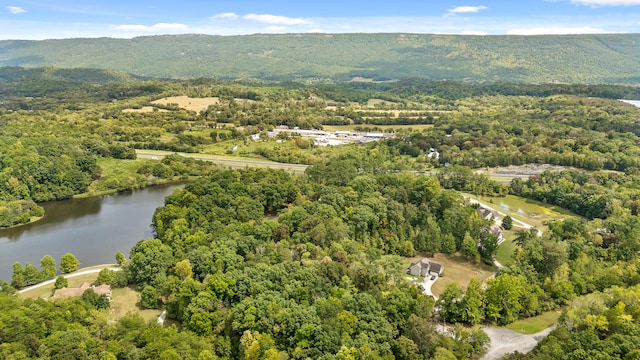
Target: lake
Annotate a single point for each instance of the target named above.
(93, 229)
(632, 102)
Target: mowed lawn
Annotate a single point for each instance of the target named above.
(459, 270)
(507, 248)
(535, 324)
(123, 300)
(126, 300)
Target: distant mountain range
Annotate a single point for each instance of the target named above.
(584, 59)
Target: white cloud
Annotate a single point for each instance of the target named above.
(466, 9)
(228, 15)
(276, 28)
(156, 27)
(606, 2)
(316, 31)
(276, 19)
(16, 10)
(473, 32)
(557, 31)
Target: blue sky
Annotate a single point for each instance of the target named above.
(36, 20)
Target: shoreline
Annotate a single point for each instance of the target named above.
(31, 221)
(86, 195)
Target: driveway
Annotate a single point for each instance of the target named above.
(505, 341)
(427, 283)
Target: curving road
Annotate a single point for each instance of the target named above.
(70, 275)
(241, 163)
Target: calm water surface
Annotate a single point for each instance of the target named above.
(93, 229)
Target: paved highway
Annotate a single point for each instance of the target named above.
(242, 163)
(232, 163)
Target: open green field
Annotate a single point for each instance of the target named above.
(126, 300)
(507, 248)
(535, 324)
(459, 270)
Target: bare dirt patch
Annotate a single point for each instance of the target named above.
(189, 103)
(144, 109)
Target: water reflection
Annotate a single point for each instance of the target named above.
(93, 229)
(56, 213)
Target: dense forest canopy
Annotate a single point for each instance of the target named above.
(264, 264)
(611, 58)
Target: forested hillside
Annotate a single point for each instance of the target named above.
(340, 57)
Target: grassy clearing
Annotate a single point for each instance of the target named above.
(188, 103)
(535, 324)
(144, 109)
(117, 167)
(507, 248)
(193, 104)
(127, 300)
(459, 270)
(207, 156)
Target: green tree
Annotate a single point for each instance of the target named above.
(473, 303)
(61, 282)
(448, 243)
(18, 278)
(31, 274)
(69, 263)
(183, 269)
(120, 259)
(443, 354)
(507, 222)
(150, 260)
(99, 301)
(106, 276)
(149, 298)
(469, 246)
(451, 303)
(48, 266)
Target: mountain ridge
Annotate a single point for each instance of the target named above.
(590, 59)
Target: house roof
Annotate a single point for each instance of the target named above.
(78, 291)
(425, 265)
(495, 230)
(486, 213)
(435, 267)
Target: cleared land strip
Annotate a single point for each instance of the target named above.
(225, 161)
(241, 163)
